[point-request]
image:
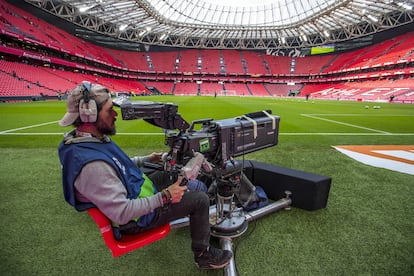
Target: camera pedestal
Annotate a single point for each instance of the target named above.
(236, 225)
(230, 228)
(308, 191)
(240, 219)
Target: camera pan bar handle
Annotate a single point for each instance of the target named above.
(200, 121)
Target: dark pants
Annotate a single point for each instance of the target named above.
(194, 204)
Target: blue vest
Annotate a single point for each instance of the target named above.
(75, 155)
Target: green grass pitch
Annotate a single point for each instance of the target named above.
(367, 228)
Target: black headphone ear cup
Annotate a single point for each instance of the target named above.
(88, 111)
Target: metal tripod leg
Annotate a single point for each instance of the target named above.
(230, 268)
(226, 241)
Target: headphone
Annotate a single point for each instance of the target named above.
(88, 111)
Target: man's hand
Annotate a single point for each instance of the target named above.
(177, 191)
(155, 157)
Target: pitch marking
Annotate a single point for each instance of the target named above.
(12, 132)
(162, 134)
(26, 127)
(393, 157)
(345, 124)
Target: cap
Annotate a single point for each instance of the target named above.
(97, 92)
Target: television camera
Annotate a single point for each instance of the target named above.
(219, 141)
(206, 150)
(207, 147)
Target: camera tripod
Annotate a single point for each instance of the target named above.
(228, 222)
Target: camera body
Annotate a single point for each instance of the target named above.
(218, 140)
(222, 140)
(206, 148)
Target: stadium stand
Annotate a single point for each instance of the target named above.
(186, 88)
(13, 87)
(375, 90)
(164, 61)
(188, 61)
(236, 89)
(160, 87)
(133, 61)
(37, 64)
(278, 65)
(232, 62)
(210, 88)
(257, 89)
(312, 64)
(210, 60)
(282, 90)
(254, 64)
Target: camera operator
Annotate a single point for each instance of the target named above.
(96, 172)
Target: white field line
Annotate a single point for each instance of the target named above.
(345, 124)
(61, 134)
(162, 134)
(358, 115)
(12, 132)
(26, 127)
(344, 134)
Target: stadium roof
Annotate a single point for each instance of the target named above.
(236, 24)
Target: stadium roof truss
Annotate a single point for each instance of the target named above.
(232, 24)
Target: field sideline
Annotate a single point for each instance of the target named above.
(220, 114)
(367, 228)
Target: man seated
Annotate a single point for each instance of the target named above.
(96, 172)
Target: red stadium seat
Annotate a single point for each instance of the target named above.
(128, 242)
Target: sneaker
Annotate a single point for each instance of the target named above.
(213, 258)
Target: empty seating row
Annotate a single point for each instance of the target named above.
(186, 62)
(374, 90)
(210, 62)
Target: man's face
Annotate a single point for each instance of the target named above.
(106, 119)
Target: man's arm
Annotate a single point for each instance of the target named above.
(99, 183)
(154, 157)
(140, 160)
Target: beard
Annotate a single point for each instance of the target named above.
(105, 129)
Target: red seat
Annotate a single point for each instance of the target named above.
(128, 242)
